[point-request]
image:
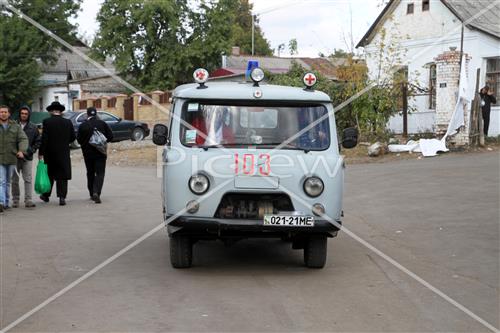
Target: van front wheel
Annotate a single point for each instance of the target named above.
(315, 252)
(181, 251)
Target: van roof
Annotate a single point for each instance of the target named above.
(245, 91)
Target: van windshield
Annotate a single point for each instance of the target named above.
(257, 126)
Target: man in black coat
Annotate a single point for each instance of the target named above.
(487, 98)
(58, 133)
(95, 161)
(25, 165)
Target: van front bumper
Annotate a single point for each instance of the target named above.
(217, 227)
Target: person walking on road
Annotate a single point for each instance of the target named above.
(58, 133)
(25, 166)
(13, 146)
(95, 161)
(487, 98)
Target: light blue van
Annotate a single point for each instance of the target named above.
(248, 160)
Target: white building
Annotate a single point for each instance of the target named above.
(72, 77)
(427, 28)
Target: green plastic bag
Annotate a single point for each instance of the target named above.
(42, 181)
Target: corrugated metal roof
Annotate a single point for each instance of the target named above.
(268, 63)
(324, 66)
(72, 62)
(278, 65)
(467, 10)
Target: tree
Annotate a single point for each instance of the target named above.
(281, 48)
(293, 46)
(242, 31)
(19, 70)
(146, 39)
(339, 53)
(294, 79)
(371, 111)
(53, 15)
(23, 47)
(211, 24)
(158, 44)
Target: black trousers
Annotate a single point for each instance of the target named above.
(96, 168)
(486, 121)
(61, 188)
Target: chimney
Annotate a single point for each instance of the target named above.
(235, 50)
(447, 86)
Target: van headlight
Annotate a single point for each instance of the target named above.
(199, 184)
(313, 186)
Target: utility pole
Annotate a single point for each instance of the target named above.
(404, 88)
(461, 50)
(68, 93)
(253, 33)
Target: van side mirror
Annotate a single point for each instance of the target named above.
(350, 138)
(160, 135)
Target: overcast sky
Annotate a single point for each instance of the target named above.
(318, 25)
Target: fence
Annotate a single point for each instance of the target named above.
(134, 107)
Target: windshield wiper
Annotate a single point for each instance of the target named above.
(218, 145)
(275, 144)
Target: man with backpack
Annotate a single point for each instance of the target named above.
(93, 153)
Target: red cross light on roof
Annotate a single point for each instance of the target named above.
(310, 79)
(200, 75)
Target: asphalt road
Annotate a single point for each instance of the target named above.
(439, 217)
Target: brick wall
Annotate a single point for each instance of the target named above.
(144, 111)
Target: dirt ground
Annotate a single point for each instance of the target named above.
(145, 153)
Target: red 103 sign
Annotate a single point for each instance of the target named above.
(246, 164)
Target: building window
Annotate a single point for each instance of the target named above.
(432, 87)
(493, 75)
(56, 98)
(409, 8)
(40, 103)
(425, 5)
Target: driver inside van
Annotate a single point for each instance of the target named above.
(198, 122)
(212, 126)
(219, 128)
(317, 136)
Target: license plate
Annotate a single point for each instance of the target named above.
(289, 221)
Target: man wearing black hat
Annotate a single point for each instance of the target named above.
(95, 160)
(58, 133)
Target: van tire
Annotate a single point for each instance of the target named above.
(315, 250)
(181, 251)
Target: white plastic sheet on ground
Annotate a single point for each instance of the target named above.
(430, 147)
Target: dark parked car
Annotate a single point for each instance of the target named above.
(122, 129)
